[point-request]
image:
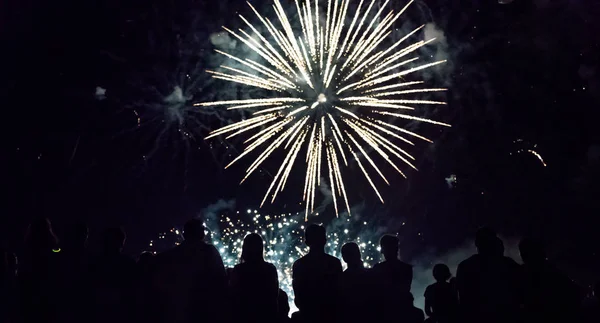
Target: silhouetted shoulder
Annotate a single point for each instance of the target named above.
(299, 263)
(395, 265)
(469, 263)
(271, 266)
(334, 261)
(404, 265)
(511, 262)
(213, 250)
(429, 291)
(471, 260)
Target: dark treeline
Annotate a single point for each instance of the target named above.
(62, 281)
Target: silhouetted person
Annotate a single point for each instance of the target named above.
(355, 291)
(549, 294)
(315, 279)
(409, 313)
(393, 278)
(283, 307)
(441, 299)
(8, 286)
(488, 282)
(38, 273)
(191, 279)
(74, 267)
(112, 280)
(254, 284)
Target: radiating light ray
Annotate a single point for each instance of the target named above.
(409, 117)
(410, 91)
(337, 85)
(393, 86)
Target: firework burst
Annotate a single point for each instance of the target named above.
(333, 79)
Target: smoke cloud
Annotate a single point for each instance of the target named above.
(437, 50)
(100, 93)
(432, 31)
(222, 40)
(211, 212)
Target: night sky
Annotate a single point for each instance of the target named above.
(522, 75)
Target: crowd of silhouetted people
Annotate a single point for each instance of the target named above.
(54, 282)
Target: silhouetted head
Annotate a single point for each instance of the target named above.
(315, 236)
(532, 251)
(351, 255)
(114, 240)
(40, 235)
(485, 241)
(252, 249)
(441, 272)
(76, 237)
(193, 230)
(389, 246)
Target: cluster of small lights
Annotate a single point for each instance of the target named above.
(283, 236)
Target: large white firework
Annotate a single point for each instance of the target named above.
(332, 80)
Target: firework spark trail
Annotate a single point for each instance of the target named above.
(333, 79)
(536, 154)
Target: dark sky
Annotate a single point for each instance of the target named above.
(525, 70)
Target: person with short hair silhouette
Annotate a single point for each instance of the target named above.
(488, 283)
(254, 284)
(549, 294)
(355, 291)
(191, 279)
(315, 279)
(393, 279)
(441, 300)
(38, 273)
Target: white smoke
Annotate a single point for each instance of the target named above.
(100, 93)
(221, 40)
(211, 212)
(432, 31)
(327, 196)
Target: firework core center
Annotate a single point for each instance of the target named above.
(322, 98)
